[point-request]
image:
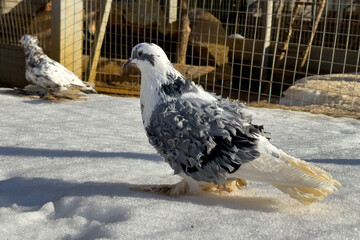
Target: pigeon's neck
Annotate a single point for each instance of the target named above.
(152, 81)
(161, 86)
(34, 55)
(150, 95)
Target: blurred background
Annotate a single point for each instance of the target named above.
(301, 55)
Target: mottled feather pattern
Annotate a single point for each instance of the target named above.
(177, 86)
(206, 144)
(47, 73)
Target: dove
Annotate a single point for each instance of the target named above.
(47, 74)
(210, 140)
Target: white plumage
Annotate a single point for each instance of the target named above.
(47, 74)
(210, 141)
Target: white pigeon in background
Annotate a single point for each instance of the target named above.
(209, 140)
(46, 73)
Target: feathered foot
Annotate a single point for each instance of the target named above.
(70, 94)
(65, 95)
(187, 186)
(173, 190)
(229, 187)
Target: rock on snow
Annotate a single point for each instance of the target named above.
(332, 89)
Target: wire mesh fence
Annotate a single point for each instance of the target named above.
(30, 17)
(293, 53)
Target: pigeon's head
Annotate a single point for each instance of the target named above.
(28, 40)
(147, 56)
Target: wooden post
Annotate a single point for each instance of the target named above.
(173, 7)
(66, 34)
(286, 44)
(184, 34)
(267, 23)
(99, 37)
(318, 17)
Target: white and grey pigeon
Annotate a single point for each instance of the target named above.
(46, 73)
(210, 140)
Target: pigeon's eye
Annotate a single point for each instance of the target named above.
(139, 53)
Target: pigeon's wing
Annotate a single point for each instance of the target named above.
(30, 76)
(40, 75)
(58, 74)
(206, 141)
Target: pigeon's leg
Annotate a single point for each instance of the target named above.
(191, 186)
(49, 95)
(42, 95)
(70, 94)
(173, 190)
(185, 186)
(229, 186)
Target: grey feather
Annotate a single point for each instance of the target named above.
(200, 141)
(210, 139)
(197, 133)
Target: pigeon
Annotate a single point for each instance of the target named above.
(46, 74)
(209, 140)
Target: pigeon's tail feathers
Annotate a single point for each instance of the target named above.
(86, 88)
(307, 195)
(311, 169)
(301, 180)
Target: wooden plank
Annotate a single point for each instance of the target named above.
(236, 49)
(286, 45)
(183, 34)
(117, 91)
(113, 81)
(267, 22)
(99, 37)
(7, 6)
(12, 66)
(316, 24)
(66, 34)
(173, 6)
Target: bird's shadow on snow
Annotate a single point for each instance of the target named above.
(8, 91)
(29, 99)
(35, 192)
(32, 192)
(263, 204)
(37, 152)
(38, 101)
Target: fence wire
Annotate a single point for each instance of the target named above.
(293, 53)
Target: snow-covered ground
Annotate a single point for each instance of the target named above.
(66, 170)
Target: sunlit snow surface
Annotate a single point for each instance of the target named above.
(66, 170)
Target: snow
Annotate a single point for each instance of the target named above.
(67, 169)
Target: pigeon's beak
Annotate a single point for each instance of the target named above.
(128, 63)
